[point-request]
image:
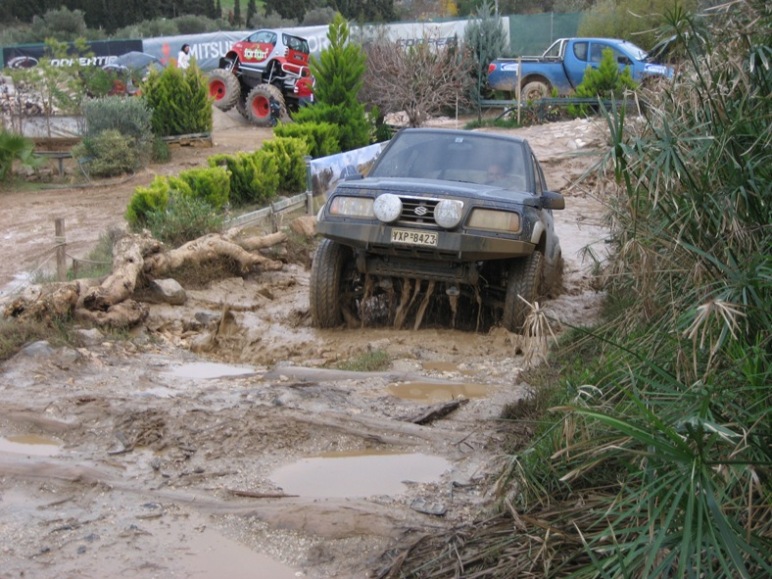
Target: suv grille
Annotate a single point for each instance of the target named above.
(418, 211)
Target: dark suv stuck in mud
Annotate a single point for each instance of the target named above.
(451, 226)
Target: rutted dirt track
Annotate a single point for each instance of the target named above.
(220, 440)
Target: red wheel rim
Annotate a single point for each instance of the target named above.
(261, 107)
(217, 89)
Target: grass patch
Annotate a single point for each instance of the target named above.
(99, 262)
(370, 361)
(15, 334)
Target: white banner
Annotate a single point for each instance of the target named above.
(208, 48)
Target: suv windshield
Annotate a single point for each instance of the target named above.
(450, 156)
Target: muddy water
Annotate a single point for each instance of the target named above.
(209, 370)
(357, 474)
(209, 554)
(30, 445)
(432, 392)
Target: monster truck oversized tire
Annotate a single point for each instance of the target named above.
(535, 90)
(224, 88)
(326, 291)
(258, 105)
(526, 280)
(241, 106)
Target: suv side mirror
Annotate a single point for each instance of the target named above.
(552, 200)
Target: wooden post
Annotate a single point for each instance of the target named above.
(61, 254)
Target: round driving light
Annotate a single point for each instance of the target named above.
(448, 213)
(387, 208)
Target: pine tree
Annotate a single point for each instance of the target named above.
(339, 74)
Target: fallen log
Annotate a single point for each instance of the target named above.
(128, 261)
(108, 302)
(209, 248)
(436, 411)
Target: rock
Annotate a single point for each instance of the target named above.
(168, 291)
(40, 349)
(429, 508)
(90, 337)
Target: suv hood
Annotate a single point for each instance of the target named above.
(435, 188)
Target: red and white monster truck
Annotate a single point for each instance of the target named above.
(264, 76)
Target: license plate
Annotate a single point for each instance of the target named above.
(413, 237)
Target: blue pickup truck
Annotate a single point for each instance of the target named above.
(563, 64)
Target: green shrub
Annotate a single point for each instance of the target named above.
(254, 177)
(183, 219)
(108, 154)
(211, 184)
(606, 81)
(268, 184)
(322, 138)
(152, 198)
(179, 100)
(128, 115)
(244, 176)
(290, 154)
(161, 152)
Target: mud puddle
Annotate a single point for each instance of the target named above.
(209, 554)
(30, 445)
(209, 370)
(358, 474)
(433, 392)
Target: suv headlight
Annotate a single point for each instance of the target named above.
(387, 207)
(495, 220)
(352, 206)
(448, 213)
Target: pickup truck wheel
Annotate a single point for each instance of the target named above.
(224, 88)
(526, 280)
(327, 285)
(258, 105)
(534, 91)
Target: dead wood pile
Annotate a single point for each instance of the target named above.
(137, 258)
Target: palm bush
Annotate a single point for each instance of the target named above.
(655, 461)
(14, 147)
(674, 441)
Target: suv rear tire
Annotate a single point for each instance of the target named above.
(224, 88)
(526, 280)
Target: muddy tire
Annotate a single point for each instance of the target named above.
(526, 280)
(534, 91)
(327, 277)
(258, 105)
(241, 106)
(224, 88)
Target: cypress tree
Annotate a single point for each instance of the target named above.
(237, 13)
(251, 10)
